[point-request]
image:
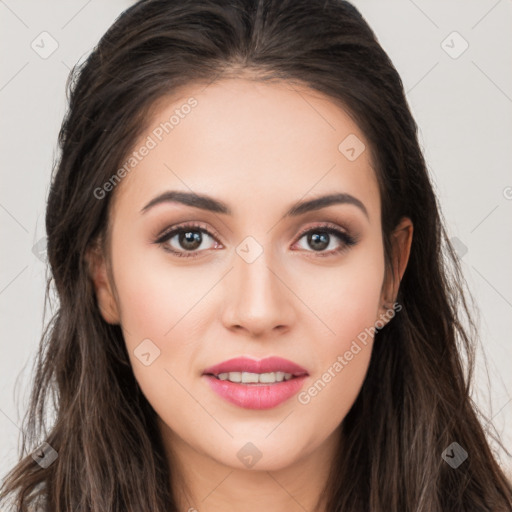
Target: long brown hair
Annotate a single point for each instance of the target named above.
(416, 398)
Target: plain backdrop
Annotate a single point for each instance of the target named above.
(454, 59)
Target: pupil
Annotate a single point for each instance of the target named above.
(319, 241)
(190, 240)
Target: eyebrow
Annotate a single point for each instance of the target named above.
(214, 205)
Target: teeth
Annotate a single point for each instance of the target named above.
(255, 378)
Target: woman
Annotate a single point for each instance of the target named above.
(259, 306)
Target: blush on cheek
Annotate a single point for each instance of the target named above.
(149, 301)
(352, 317)
(144, 317)
(346, 355)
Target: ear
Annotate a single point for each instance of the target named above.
(105, 298)
(401, 240)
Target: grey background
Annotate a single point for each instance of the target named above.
(463, 107)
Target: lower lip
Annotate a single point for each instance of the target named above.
(256, 396)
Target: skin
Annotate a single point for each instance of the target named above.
(259, 148)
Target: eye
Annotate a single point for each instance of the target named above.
(321, 237)
(187, 241)
(188, 238)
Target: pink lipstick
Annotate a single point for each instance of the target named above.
(256, 384)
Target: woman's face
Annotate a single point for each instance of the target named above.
(258, 277)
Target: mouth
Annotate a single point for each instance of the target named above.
(244, 370)
(255, 379)
(253, 384)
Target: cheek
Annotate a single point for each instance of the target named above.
(343, 362)
(155, 296)
(144, 308)
(347, 302)
(345, 297)
(154, 301)
(165, 303)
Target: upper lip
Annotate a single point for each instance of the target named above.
(267, 365)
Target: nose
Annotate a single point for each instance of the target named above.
(259, 300)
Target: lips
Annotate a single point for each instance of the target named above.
(248, 394)
(267, 365)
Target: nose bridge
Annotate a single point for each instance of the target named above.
(259, 300)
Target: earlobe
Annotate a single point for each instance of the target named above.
(104, 296)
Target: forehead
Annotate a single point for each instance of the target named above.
(250, 144)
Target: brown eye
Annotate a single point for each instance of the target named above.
(190, 240)
(322, 237)
(318, 241)
(185, 239)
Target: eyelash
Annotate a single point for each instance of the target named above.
(348, 240)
